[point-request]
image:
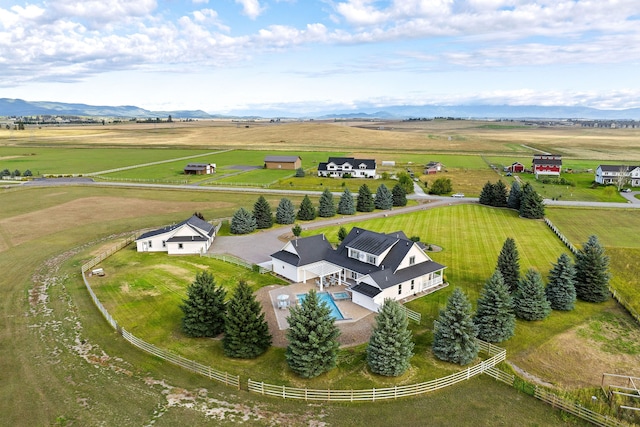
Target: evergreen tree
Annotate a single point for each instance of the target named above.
(296, 230)
(262, 213)
(199, 215)
(486, 195)
(494, 317)
(531, 204)
(312, 335)
(592, 272)
(306, 212)
(342, 233)
(384, 198)
(509, 264)
(285, 213)
(246, 332)
(300, 173)
(530, 301)
(515, 194)
(243, 222)
(454, 336)
(327, 208)
(561, 290)
(390, 347)
(399, 195)
(365, 199)
(204, 308)
(345, 205)
(499, 197)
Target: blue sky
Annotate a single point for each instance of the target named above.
(312, 56)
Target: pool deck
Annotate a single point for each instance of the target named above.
(355, 328)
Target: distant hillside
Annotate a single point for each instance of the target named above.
(19, 107)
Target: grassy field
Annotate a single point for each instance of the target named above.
(55, 345)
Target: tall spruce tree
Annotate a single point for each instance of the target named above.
(327, 208)
(592, 272)
(204, 307)
(390, 347)
(494, 316)
(499, 197)
(285, 213)
(399, 195)
(384, 198)
(306, 212)
(486, 195)
(346, 205)
(561, 289)
(515, 194)
(454, 336)
(312, 335)
(509, 264)
(364, 201)
(262, 213)
(530, 301)
(243, 222)
(246, 332)
(531, 204)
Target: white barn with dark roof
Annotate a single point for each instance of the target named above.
(190, 237)
(375, 265)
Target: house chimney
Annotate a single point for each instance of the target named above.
(383, 266)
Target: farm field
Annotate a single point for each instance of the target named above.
(56, 346)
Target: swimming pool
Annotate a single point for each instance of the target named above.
(337, 296)
(324, 296)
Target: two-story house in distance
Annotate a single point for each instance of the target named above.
(338, 167)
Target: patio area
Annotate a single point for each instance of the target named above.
(355, 328)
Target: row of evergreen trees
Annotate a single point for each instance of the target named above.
(524, 199)
(207, 314)
(7, 172)
(506, 296)
(244, 222)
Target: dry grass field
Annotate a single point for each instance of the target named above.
(436, 136)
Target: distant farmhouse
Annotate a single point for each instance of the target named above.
(610, 174)
(433, 167)
(546, 164)
(192, 236)
(200, 169)
(515, 167)
(282, 162)
(374, 265)
(338, 167)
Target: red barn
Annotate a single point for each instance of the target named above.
(516, 167)
(546, 164)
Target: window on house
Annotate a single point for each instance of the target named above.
(164, 243)
(150, 242)
(371, 259)
(180, 246)
(413, 283)
(412, 260)
(400, 289)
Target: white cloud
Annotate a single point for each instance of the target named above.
(251, 8)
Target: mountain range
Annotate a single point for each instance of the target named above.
(18, 108)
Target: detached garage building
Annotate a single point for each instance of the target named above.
(190, 237)
(282, 162)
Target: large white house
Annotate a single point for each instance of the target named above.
(338, 167)
(192, 236)
(375, 265)
(609, 174)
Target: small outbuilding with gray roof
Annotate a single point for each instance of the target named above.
(376, 266)
(192, 236)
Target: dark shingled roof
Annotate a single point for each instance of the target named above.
(616, 168)
(310, 249)
(197, 225)
(366, 290)
(372, 243)
(370, 163)
(551, 162)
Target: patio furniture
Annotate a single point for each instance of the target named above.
(283, 301)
